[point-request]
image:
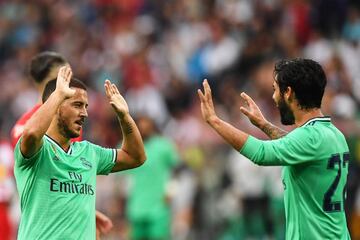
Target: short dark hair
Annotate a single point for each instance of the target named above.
(51, 86)
(42, 63)
(305, 77)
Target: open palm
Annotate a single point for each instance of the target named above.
(252, 111)
(115, 99)
(207, 105)
(63, 82)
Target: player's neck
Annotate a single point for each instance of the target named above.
(302, 116)
(55, 135)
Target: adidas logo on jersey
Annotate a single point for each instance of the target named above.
(86, 163)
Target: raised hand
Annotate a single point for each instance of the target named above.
(253, 112)
(207, 105)
(115, 99)
(63, 81)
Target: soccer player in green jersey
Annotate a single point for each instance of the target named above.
(315, 154)
(56, 178)
(148, 204)
(43, 68)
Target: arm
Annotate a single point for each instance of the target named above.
(38, 124)
(272, 131)
(132, 153)
(296, 147)
(255, 116)
(232, 135)
(299, 146)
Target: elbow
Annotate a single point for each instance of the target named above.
(137, 159)
(29, 136)
(141, 159)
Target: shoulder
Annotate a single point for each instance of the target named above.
(306, 135)
(308, 131)
(90, 145)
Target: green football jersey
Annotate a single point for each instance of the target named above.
(146, 197)
(315, 157)
(57, 189)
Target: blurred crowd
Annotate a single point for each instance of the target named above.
(158, 52)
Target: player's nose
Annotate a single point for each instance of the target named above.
(84, 113)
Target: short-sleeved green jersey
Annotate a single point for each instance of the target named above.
(315, 157)
(146, 198)
(57, 189)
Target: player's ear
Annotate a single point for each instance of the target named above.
(289, 94)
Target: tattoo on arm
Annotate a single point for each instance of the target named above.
(272, 131)
(127, 126)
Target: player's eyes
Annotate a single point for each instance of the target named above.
(80, 105)
(77, 105)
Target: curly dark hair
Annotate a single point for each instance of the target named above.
(305, 77)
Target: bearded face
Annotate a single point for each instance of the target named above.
(72, 114)
(65, 128)
(286, 115)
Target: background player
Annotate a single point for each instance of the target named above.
(149, 201)
(315, 155)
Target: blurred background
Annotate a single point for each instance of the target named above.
(158, 52)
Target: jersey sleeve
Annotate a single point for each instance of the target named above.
(21, 160)
(105, 159)
(299, 146)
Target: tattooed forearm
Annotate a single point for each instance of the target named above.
(127, 126)
(131, 154)
(272, 131)
(127, 129)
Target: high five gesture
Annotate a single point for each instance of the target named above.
(115, 99)
(39, 123)
(63, 82)
(132, 153)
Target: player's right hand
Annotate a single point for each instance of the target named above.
(253, 111)
(63, 81)
(207, 105)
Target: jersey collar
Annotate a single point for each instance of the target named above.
(69, 151)
(317, 119)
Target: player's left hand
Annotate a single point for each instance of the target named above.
(103, 224)
(115, 99)
(207, 105)
(252, 111)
